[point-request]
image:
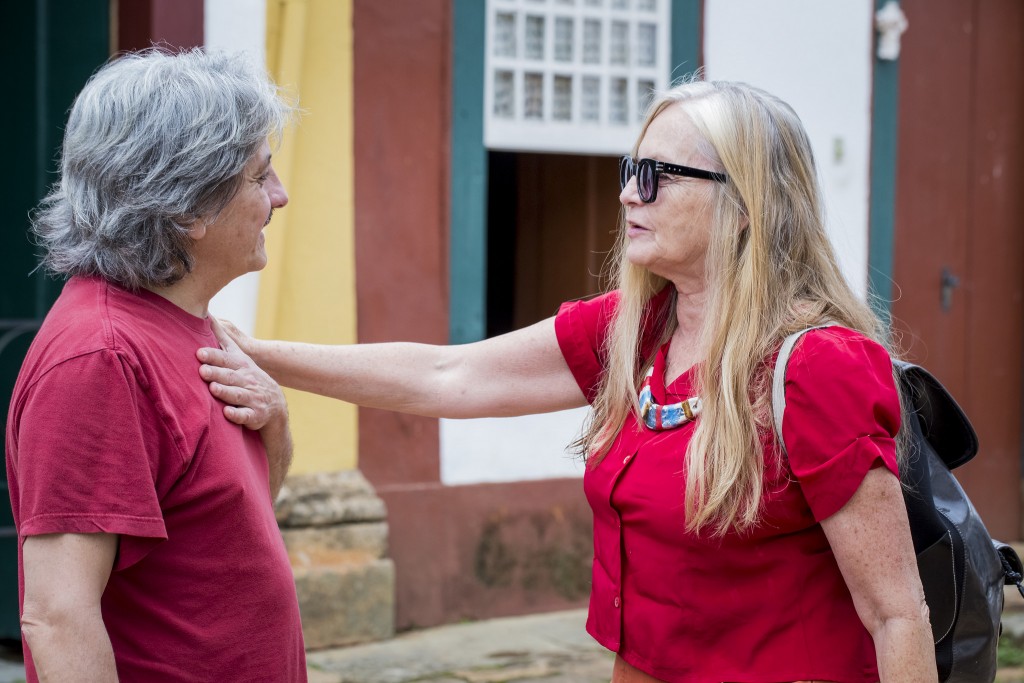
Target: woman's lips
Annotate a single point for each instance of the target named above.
(633, 229)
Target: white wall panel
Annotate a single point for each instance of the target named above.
(237, 25)
(818, 57)
(510, 448)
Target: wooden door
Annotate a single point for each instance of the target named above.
(959, 242)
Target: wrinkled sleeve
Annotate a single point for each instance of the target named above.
(842, 415)
(85, 464)
(581, 328)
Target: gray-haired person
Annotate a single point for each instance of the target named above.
(149, 548)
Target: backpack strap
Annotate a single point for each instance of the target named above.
(779, 379)
(944, 423)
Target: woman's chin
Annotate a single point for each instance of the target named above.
(638, 256)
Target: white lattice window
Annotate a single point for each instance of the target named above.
(572, 75)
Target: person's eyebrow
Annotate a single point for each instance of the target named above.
(265, 165)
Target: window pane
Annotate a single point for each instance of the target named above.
(563, 39)
(505, 34)
(534, 37)
(647, 44)
(591, 100)
(618, 51)
(533, 107)
(561, 107)
(591, 41)
(618, 107)
(504, 95)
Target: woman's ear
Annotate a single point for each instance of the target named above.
(197, 229)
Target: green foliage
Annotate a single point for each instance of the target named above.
(1010, 653)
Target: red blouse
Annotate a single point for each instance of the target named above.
(766, 606)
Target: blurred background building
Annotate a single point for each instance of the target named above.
(454, 177)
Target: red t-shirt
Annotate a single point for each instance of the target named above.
(767, 606)
(112, 430)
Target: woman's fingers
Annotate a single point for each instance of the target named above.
(223, 337)
(220, 358)
(240, 415)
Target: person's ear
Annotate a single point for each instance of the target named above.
(197, 229)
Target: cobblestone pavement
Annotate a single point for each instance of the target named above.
(540, 648)
(553, 648)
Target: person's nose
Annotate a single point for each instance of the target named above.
(629, 194)
(278, 195)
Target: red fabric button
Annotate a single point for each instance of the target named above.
(626, 459)
(617, 601)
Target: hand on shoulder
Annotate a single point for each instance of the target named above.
(254, 400)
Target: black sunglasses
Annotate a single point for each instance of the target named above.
(648, 170)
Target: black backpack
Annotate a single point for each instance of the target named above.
(963, 570)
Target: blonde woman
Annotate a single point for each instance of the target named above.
(717, 558)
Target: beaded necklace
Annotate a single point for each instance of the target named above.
(669, 416)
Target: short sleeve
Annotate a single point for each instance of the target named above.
(87, 460)
(842, 415)
(581, 328)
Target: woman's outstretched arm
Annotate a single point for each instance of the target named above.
(518, 373)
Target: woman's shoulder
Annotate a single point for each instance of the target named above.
(836, 354)
(831, 343)
(587, 317)
(603, 301)
(842, 412)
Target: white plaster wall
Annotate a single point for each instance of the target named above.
(817, 56)
(510, 448)
(237, 25)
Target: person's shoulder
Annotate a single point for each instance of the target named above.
(93, 327)
(836, 350)
(598, 300)
(77, 324)
(837, 340)
(589, 312)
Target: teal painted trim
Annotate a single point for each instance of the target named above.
(51, 47)
(467, 264)
(686, 30)
(72, 41)
(882, 212)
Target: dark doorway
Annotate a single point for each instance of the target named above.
(551, 221)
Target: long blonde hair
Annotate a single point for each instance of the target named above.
(771, 271)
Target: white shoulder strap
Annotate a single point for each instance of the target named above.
(779, 379)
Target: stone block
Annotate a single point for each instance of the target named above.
(363, 542)
(335, 530)
(344, 602)
(326, 498)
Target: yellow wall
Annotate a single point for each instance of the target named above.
(307, 291)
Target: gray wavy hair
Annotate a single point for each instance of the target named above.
(154, 142)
